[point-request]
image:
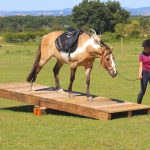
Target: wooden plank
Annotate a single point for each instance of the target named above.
(101, 108)
(127, 107)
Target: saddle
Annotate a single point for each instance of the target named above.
(67, 42)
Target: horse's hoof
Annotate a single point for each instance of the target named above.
(60, 90)
(71, 95)
(32, 90)
(90, 99)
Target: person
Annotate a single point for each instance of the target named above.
(144, 69)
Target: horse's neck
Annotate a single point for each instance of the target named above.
(93, 51)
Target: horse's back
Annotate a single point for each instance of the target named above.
(82, 39)
(48, 40)
(51, 36)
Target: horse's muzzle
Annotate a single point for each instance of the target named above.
(113, 72)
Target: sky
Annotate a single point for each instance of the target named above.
(26, 5)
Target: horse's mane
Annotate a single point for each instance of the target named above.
(94, 35)
(97, 38)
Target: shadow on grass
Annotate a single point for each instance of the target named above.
(29, 109)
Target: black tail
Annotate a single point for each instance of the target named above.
(32, 76)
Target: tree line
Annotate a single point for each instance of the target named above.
(107, 18)
(26, 28)
(33, 23)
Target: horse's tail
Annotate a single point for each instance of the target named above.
(32, 75)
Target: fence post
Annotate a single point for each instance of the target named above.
(122, 48)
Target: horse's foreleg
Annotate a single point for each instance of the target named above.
(88, 73)
(72, 78)
(56, 70)
(32, 87)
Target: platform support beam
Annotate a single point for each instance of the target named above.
(39, 111)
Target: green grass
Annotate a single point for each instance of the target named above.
(20, 129)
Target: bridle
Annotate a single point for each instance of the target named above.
(102, 59)
(101, 56)
(111, 69)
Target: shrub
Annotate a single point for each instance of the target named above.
(23, 36)
(108, 36)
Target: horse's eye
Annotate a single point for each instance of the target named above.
(113, 57)
(107, 57)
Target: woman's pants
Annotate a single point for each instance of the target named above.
(144, 82)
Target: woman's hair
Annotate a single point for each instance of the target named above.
(146, 43)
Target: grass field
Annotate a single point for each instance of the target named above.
(21, 130)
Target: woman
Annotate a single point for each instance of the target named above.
(144, 69)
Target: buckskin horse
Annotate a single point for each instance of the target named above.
(88, 48)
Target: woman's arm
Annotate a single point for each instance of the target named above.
(140, 70)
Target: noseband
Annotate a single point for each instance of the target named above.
(111, 69)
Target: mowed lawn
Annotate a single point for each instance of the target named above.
(21, 130)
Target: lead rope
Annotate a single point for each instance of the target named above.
(121, 76)
(127, 79)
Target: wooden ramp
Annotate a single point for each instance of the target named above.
(101, 108)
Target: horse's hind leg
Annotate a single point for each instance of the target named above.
(56, 70)
(43, 55)
(37, 70)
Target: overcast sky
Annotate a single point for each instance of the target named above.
(60, 4)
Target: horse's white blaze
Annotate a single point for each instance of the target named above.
(90, 42)
(113, 64)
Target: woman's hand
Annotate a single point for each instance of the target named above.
(140, 70)
(140, 77)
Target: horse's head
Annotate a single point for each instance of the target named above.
(105, 54)
(107, 59)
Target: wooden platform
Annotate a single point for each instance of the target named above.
(101, 108)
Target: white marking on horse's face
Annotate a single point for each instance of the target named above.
(89, 42)
(112, 61)
(113, 64)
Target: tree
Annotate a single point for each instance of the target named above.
(128, 30)
(120, 30)
(145, 26)
(99, 15)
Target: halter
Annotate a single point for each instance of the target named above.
(111, 69)
(102, 58)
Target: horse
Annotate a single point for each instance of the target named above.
(89, 47)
